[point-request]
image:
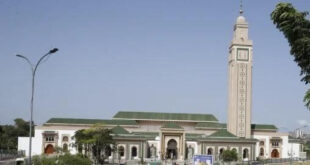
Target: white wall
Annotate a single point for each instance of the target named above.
(294, 148)
(37, 141)
(266, 146)
(23, 144)
(286, 148)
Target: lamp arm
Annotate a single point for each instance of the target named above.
(28, 61)
(38, 63)
(40, 60)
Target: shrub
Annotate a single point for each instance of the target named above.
(66, 159)
(229, 155)
(43, 160)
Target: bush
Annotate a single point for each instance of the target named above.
(66, 159)
(229, 155)
(43, 160)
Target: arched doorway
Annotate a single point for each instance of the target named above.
(210, 151)
(245, 154)
(133, 152)
(49, 149)
(172, 149)
(275, 153)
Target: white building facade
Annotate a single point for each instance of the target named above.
(179, 136)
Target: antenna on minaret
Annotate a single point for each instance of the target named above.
(241, 11)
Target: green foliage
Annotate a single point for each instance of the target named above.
(10, 133)
(307, 148)
(43, 160)
(66, 159)
(229, 155)
(95, 140)
(296, 28)
(307, 99)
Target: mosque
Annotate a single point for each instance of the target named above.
(180, 136)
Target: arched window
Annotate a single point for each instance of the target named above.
(210, 151)
(261, 152)
(121, 151)
(133, 152)
(65, 139)
(65, 147)
(275, 144)
(245, 153)
(221, 152)
(49, 138)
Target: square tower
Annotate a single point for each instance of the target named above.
(240, 81)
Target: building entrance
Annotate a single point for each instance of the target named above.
(172, 149)
(49, 149)
(275, 153)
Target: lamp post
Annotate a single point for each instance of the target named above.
(33, 70)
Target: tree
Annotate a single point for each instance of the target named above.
(9, 134)
(296, 29)
(229, 155)
(96, 140)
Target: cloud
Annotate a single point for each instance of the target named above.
(303, 122)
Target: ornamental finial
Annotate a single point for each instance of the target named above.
(241, 6)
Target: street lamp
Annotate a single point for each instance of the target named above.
(33, 70)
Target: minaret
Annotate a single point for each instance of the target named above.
(240, 80)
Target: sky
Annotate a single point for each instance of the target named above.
(137, 55)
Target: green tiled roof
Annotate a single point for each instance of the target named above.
(90, 121)
(193, 136)
(172, 125)
(146, 133)
(124, 134)
(119, 130)
(164, 116)
(263, 127)
(224, 125)
(223, 133)
(210, 125)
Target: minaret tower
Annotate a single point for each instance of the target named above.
(240, 80)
